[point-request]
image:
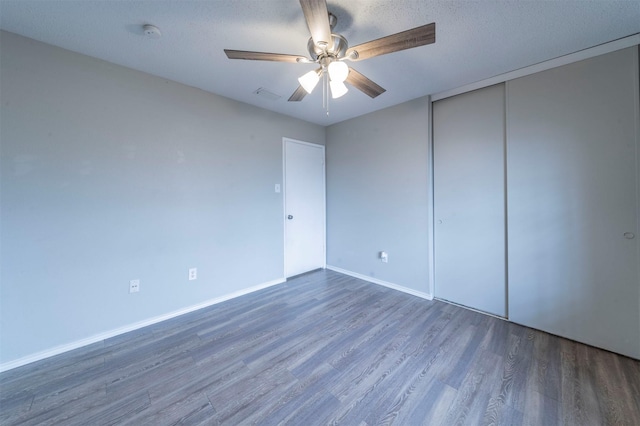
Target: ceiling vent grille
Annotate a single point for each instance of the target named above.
(267, 94)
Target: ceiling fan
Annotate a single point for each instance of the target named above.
(330, 50)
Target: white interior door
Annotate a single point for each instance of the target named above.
(469, 199)
(304, 186)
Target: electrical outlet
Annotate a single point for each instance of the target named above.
(193, 274)
(277, 188)
(384, 257)
(134, 286)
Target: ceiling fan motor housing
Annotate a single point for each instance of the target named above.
(337, 49)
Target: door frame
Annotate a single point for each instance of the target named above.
(286, 140)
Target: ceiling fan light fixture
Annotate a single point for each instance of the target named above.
(338, 71)
(309, 81)
(338, 89)
(328, 49)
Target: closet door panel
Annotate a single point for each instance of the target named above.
(572, 196)
(468, 134)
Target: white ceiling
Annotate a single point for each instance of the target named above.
(475, 40)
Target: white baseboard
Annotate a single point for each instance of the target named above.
(382, 283)
(121, 330)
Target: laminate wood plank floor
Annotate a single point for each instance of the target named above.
(325, 348)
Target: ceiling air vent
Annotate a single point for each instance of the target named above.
(267, 94)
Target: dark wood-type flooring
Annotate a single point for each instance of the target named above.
(325, 348)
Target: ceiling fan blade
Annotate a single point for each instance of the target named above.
(298, 94)
(317, 16)
(263, 56)
(362, 83)
(415, 37)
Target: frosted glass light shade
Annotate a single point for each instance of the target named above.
(338, 89)
(309, 81)
(338, 71)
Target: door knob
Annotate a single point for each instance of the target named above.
(290, 217)
(629, 235)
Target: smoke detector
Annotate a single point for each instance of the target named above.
(151, 31)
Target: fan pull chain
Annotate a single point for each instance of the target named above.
(327, 91)
(324, 90)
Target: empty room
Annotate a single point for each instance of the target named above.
(311, 212)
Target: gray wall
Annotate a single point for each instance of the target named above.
(110, 174)
(377, 186)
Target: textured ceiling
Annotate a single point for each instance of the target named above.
(474, 40)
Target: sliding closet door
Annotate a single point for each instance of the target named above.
(573, 201)
(468, 135)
